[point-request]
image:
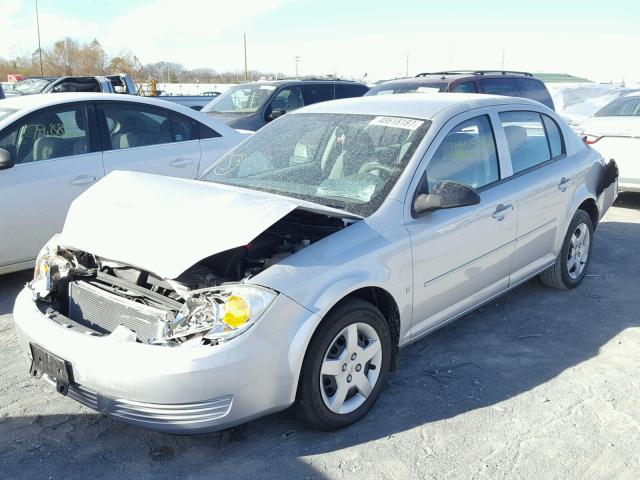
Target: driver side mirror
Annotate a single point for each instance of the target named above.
(275, 114)
(445, 194)
(6, 159)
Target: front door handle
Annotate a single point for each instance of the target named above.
(564, 183)
(502, 211)
(83, 180)
(181, 162)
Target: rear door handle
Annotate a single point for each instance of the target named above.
(502, 211)
(181, 162)
(83, 180)
(564, 183)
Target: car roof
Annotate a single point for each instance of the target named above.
(40, 100)
(24, 104)
(296, 81)
(414, 105)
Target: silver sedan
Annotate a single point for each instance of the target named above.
(293, 271)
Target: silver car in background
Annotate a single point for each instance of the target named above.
(293, 271)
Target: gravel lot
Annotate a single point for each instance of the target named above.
(539, 384)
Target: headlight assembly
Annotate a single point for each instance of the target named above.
(220, 313)
(51, 266)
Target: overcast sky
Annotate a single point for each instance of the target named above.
(346, 37)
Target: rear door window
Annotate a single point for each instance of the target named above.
(347, 91)
(315, 93)
(183, 128)
(527, 139)
(535, 90)
(500, 86)
(133, 125)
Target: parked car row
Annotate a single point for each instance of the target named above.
(296, 266)
(614, 131)
(118, 83)
(508, 83)
(53, 147)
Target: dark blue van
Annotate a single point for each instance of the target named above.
(250, 106)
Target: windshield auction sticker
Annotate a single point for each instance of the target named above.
(397, 122)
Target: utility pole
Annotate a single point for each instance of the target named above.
(39, 47)
(406, 69)
(246, 71)
(502, 63)
(297, 60)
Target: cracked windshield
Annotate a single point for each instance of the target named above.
(345, 161)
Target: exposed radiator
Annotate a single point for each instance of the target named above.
(104, 311)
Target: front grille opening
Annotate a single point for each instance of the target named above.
(102, 312)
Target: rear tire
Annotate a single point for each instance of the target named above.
(575, 255)
(345, 366)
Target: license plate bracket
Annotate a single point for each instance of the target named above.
(46, 363)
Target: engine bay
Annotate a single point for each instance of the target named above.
(81, 284)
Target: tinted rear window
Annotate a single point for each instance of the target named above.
(315, 93)
(408, 87)
(347, 91)
(500, 86)
(535, 90)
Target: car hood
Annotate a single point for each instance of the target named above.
(165, 225)
(233, 120)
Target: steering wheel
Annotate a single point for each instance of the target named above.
(371, 166)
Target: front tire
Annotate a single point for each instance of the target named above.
(572, 263)
(345, 366)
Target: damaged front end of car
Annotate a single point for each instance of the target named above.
(207, 304)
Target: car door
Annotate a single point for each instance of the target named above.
(462, 256)
(542, 176)
(212, 144)
(57, 157)
(147, 138)
(285, 100)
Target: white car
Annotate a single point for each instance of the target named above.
(52, 147)
(614, 131)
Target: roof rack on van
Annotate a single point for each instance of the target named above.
(476, 72)
(319, 79)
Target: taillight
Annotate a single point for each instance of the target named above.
(590, 139)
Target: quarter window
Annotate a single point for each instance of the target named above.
(466, 155)
(527, 138)
(556, 143)
(53, 133)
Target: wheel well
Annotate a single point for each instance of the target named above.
(387, 305)
(591, 208)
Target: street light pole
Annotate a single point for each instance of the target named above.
(39, 47)
(297, 60)
(246, 71)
